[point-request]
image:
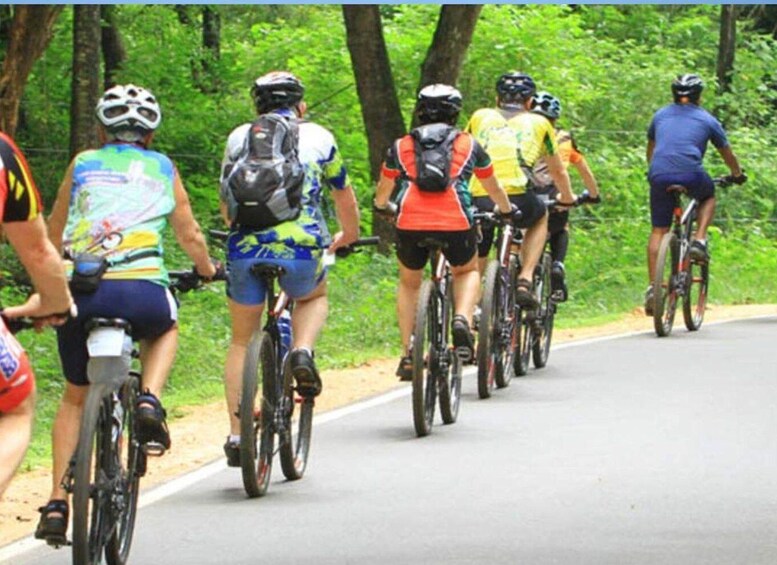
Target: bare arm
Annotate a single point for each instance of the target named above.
(496, 193)
(58, 217)
(560, 178)
(383, 191)
(731, 160)
(43, 263)
(651, 146)
(187, 231)
(588, 177)
(347, 209)
(224, 214)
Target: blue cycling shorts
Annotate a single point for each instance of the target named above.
(149, 308)
(301, 278)
(699, 185)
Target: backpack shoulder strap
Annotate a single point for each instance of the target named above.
(404, 148)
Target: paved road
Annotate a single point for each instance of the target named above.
(634, 450)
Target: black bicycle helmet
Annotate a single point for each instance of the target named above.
(276, 89)
(515, 88)
(687, 86)
(438, 103)
(546, 104)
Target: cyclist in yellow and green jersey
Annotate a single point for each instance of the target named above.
(516, 139)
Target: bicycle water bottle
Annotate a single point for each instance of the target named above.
(284, 327)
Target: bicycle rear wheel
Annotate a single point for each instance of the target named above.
(509, 325)
(294, 439)
(131, 466)
(448, 365)
(256, 426)
(424, 382)
(523, 342)
(488, 332)
(91, 497)
(547, 310)
(695, 297)
(665, 285)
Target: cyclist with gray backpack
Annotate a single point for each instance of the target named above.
(272, 179)
(431, 167)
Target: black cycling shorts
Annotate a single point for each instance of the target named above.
(557, 222)
(530, 205)
(460, 249)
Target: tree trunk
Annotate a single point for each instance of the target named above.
(86, 77)
(29, 35)
(211, 42)
(726, 46)
(375, 84)
(114, 53)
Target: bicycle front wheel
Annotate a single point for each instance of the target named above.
(424, 384)
(547, 311)
(295, 437)
(509, 325)
(488, 332)
(665, 285)
(448, 365)
(131, 466)
(695, 297)
(256, 425)
(91, 496)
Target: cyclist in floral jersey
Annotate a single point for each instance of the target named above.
(297, 245)
(114, 203)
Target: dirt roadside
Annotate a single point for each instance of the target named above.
(199, 434)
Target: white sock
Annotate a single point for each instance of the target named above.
(702, 241)
(234, 438)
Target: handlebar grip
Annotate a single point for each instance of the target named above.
(219, 235)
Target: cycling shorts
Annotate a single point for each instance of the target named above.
(16, 377)
(699, 185)
(557, 221)
(460, 247)
(532, 209)
(149, 308)
(302, 276)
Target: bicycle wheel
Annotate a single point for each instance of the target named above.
(448, 366)
(424, 383)
(665, 285)
(91, 496)
(256, 426)
(523, 342)
(130, 467)
(509, 325)
(543, 331)
(294, 438)
(488, 332)
(695, 296)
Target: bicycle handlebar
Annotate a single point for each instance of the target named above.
(17, 324)
(186, 281)
(352, 248)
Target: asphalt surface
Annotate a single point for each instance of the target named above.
(633, 450)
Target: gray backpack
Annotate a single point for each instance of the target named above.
(264, 186)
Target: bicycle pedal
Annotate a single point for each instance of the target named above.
(153, 449)
(463, 353)
(57, 543)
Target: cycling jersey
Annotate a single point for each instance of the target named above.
(16, 377)
(567, 150)
(514, 155)
(305, 237)
(19, 198)
(119, 203)
(448, 210)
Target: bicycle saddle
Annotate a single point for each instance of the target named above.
(677, 188)
(433, 243)
(267, 270)
(93, 323)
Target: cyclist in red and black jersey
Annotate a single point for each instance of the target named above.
(444, 214)
(23, 225)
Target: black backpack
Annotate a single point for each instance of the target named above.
(264, 186)
(433, 154)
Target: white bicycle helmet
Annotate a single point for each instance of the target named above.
(128, 109)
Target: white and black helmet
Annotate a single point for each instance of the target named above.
(438, 103)
(687, 86)
(128, 108)
(277, 89)
(546, 104)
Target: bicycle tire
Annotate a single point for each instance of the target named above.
(695, 296)
(90, 511)
(488, 342)
(542, 338)
(295, 447)
(131, 463)
(509, 321)
(523, 343)
(424, 384)
(449, 378)
(664, 285)
(256, 427)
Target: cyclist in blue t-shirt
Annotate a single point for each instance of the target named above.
(677, 141)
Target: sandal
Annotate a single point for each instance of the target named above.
(524, 295)
(150, 423)
(405, 369)
(53, 529)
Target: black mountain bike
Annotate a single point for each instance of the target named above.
(677, 275)
(283, 412)
(437, 366)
